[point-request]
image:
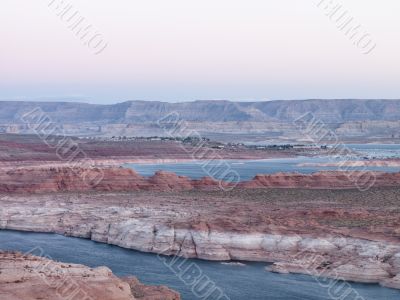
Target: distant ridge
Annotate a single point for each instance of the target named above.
(352, 120)
(339, 111)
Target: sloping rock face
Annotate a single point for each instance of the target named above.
(145, 292)
(30, 278)
(166, 181)
(64, 178)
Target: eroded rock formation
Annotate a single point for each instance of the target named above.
(30, 278)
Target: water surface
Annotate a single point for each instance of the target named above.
(247, 169)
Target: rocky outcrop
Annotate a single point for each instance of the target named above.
(146, 292)
(29, 277)
(366, 270)
(166, 181)
(64, 178)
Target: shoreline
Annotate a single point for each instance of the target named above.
(389, 163)
(122, 161)
(299, 263)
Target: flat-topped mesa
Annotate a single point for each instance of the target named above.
(29, 277)
(64, 178)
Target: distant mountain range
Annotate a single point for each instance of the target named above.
(270, 120)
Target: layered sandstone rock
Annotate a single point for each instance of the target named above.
(29, 277)
(393, 282)
(64, 178)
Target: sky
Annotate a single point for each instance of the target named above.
(184, 50)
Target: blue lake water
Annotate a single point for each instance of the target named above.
(238, 282)
(247, 169)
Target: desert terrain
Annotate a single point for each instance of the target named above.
(26, 150)
(336, 224)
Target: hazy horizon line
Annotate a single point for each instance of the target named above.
(88, 101)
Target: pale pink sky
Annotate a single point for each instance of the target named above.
(179, 50)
